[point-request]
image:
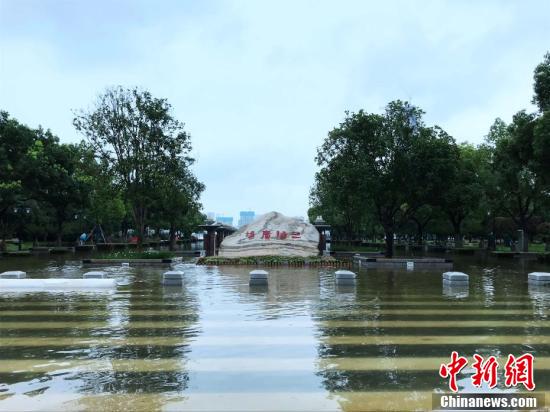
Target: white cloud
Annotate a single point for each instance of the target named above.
(259, 84)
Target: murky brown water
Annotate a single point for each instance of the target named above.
(301, 344)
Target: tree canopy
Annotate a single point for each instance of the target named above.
(384, 173)
(141, 145)
(132, 171)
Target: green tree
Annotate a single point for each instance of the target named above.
(541, 145)
(61, 182)
(519, 188)
(542, 84)
(16, 143)
(464, 189)
(139, 139)
(177, 204)
(335, 197)
(107, 206)
(399, 163)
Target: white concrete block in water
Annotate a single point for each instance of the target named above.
(48, 285)
(258, 278)
(410, 265)
(539, 291)
(125, 264)
(455, 277)
(345, 274)
(345, 277)
(172, 278)
(13, 274)
(456, 289)
(94, 275)
(539, 277)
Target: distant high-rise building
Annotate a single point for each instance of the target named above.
(246, 217)
(226, 220)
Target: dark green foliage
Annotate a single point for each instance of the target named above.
(134, 167)
(391, 173)
(519, 190)
(383, 166)
(542, 84)
(146, 151)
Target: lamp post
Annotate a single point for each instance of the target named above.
(210, 226)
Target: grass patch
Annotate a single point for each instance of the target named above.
(14, 247)
(537, 247)
(134, 254)
(533, 247)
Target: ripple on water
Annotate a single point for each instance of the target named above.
(300, 343)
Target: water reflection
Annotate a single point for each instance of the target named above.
(301, 343)
(103, 327)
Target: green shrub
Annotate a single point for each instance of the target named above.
(134, 254)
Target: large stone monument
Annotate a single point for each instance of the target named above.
(272, 234)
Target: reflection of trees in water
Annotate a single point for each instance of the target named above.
(69, 303)
(148, 289)
(345, 381)
(374, 381)
(132, 382)
(290, 291)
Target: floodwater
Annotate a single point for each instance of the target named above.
(302, 344)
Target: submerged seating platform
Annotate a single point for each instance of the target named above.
(13, 274)
(403, 263)
(47, 285)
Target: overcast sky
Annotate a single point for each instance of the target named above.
(259, 84)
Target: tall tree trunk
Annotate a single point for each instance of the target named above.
(389, 243)
(457, 224)
(141, 234)
(139, 220)
(4, 235)
(172, 245)
(524, 247)
(419, 233)
(458, 238)
(59, 240)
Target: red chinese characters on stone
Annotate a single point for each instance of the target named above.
(485, 371)
(520, 370)
(450, 370)
(282, 235)
(268, 235)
